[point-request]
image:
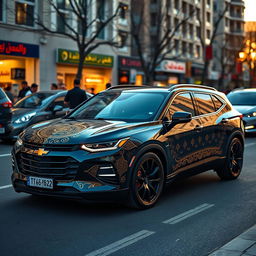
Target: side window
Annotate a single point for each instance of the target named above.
(205, 103)
(182, 102)
(59, 101)
(217, 103)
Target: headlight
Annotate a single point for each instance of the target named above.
(18, 143)
(253, 114)
(105, 146)
(25, 118)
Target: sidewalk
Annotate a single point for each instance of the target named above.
(244, 244)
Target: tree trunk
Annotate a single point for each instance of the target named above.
(79, 73)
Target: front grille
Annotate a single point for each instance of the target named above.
(50, 147)
(52, 166)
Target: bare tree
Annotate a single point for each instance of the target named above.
(89, 27)
(153, 35)
(216, 24)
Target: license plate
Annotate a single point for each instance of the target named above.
(2, 130)
(39, 182)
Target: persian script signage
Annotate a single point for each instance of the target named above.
(19, 49)
(72, 57)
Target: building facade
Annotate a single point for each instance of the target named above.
(29, 52)
(228, 43)
(191, 23)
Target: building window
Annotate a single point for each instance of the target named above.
(176, 46)
(208, 34)
(101, 9)
(153, 19)
(176, 4)
(226, 22)
(184, 29)
(198, 16)
(62, 16)
(191, 50)
(191, 31)
(208, 17)
(176, 23)
(1, 10)
(123, 11)
(198, 32)
(198, 52)
(184, 48)
(169, 4)
(122, 37)
(24, 12)
(184, 8)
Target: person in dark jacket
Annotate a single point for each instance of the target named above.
(9, 93)
(75, 96)
(24, 91)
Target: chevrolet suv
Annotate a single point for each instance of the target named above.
(127, 142)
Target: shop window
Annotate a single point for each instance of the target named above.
(24, 12)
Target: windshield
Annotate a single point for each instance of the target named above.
(245, 98)
(33, 100)
(122, 106)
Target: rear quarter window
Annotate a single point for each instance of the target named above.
(217, 102)
(204, 103)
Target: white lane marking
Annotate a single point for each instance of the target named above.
(3, 155)
(188, 214)
(250, 144)
(121, 243)
(6, 186)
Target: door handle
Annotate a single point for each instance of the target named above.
(198, 128)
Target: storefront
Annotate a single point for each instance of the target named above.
(18, 62)
(197, 73)
(170, 72)
(129, 71)
(97, 70)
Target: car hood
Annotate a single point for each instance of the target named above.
(66, 131)
(245, 109)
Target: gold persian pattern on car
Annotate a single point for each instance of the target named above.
(58, 133)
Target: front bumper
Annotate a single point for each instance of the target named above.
(84, 181)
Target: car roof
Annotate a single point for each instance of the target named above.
(244, 90)
(167, 89)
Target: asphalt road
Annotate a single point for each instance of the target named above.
(193, 217)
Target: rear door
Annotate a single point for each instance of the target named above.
(213, 136)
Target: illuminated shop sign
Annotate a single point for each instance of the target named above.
(19, 49)
(129, 63)
(72, 57)
(172, 66)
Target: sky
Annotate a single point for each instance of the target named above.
(250, 10)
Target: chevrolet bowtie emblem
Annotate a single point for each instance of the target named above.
(40, 152)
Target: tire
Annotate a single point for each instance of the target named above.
(147, 182)
(232, 166)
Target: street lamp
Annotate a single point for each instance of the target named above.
(248, 56)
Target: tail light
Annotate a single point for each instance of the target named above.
(7, 104)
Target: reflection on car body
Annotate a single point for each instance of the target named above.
(127, 142)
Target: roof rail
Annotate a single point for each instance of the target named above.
(120, 86)
(176, 86)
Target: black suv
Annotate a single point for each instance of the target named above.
(128, 142)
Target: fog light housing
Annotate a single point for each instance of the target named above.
(106, 171)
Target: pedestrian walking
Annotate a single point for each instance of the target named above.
(25, 90)
(9, 93)
(75, 96)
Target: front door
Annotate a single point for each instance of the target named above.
(183, 138)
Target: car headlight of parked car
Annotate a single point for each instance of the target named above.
(105, 146)
(24, 118)
(252, 114)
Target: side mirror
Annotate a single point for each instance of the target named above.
(177, 118)
(57, 108)
(181, 117)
